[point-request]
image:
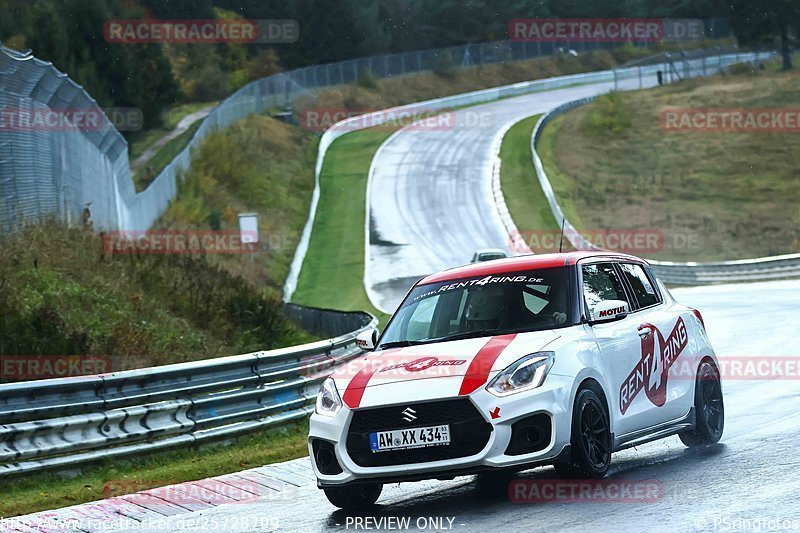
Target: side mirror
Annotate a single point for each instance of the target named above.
(366, 340)
(609, 311)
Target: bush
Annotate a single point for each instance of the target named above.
(608, 114)
(211, 84)
(445, 65)
(366, 80)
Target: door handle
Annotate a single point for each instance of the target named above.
(645, 331)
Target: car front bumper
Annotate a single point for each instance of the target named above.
(551, 399)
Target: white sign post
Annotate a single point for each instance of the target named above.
(248, 230)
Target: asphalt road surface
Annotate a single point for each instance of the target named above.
(430, 196)
(752, 475)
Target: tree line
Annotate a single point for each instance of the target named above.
(69, 33)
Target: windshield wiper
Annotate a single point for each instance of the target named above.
(400, 344)
(469, 335)
(479, 333)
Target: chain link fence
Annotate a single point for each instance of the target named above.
(74, 172)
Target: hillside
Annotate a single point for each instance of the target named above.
(61, 293)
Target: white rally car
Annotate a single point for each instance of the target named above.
(506, 365)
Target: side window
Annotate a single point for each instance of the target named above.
(643, 288)
(601, 283)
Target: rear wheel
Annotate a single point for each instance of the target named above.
(591, 439)
(354, 497)
(709, 409)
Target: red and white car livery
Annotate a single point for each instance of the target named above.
(543, 359)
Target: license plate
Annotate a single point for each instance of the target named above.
(401, 439)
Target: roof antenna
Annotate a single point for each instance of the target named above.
(561, 244)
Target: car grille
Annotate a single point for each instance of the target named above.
(469, 432)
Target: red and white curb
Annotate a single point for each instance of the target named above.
(132, 511)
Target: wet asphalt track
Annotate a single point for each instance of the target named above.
(430, 194)
(753, 474)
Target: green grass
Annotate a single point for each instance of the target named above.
(142, 140)
(521, 190)
(560, 181)
(43, 491)
(62, 293)
(176, 113)
(163, 157)
(333, 271)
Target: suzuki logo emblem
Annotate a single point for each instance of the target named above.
(409, 415)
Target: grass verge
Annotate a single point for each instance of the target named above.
(44, 491)
(333, 270)
(163, 157)
(521, 190)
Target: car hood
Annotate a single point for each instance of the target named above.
(430, 371)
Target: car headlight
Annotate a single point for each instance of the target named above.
(525, 374)
(328, 400)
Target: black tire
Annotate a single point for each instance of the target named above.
(591, 439)
(355, 497)
(709, 409)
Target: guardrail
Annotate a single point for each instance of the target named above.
(66, 422)
(689, 273)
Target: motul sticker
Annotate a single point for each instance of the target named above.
(652, 372)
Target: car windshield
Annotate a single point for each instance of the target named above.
(481, 306)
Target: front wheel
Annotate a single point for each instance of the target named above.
(355, 497)
(591, 439)
(709, 409)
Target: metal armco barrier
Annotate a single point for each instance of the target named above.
(690, 273)
(66, 422)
